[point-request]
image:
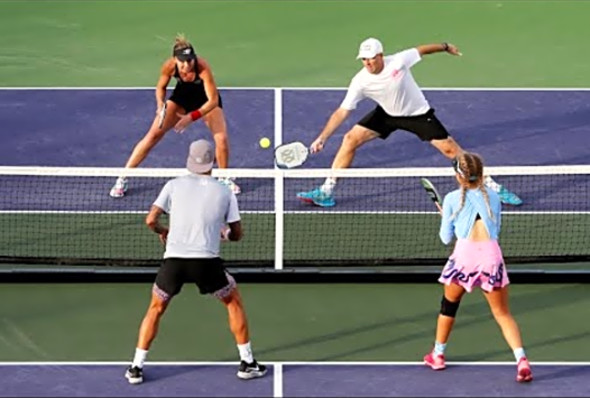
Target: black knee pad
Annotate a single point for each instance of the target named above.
(448, 308)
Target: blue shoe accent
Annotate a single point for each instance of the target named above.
(317, 197)
(509, 198)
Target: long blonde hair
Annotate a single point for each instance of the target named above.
(469, 168)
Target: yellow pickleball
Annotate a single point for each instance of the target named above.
(264, 143)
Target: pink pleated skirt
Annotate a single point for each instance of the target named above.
(476, 264)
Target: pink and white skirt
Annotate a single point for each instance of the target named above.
(476, 264)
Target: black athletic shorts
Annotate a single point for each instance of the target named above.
(427, 127)
(191, 96)
(208, 274)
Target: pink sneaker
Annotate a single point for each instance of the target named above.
(523, 373)
(436, 362)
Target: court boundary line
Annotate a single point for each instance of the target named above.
(287, 363)
(311, 88)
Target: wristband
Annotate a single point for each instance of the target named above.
(445, 46)
(195, 115)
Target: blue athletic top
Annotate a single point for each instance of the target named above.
(461, 225)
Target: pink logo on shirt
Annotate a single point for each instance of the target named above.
(396, 73)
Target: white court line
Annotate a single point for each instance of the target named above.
(289, 363)
(277, 385)
(263, 88)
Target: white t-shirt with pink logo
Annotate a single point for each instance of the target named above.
(394, 89)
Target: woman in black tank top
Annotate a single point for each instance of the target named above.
(195, 97)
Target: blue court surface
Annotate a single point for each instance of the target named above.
(295, 380)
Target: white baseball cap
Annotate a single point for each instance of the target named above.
(370, 48)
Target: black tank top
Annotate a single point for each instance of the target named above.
(179, 80)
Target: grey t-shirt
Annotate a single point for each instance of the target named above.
(198, 205)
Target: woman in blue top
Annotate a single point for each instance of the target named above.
(472, 214)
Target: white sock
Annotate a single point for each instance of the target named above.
(519, 353)
(139, 358)
(490, 183)
(439, 348)
(328, 186)
(246, 352)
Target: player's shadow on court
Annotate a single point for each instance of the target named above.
(578, 372)
(526, 303)
(502, 350)
(158, 373)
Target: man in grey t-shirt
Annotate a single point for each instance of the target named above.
(199, 208)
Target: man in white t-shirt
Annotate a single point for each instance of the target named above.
(388, 81)
(202, 211)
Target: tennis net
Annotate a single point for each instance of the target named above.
(382, 216)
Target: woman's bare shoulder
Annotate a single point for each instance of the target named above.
(168, 66)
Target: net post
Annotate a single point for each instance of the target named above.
(279, 182)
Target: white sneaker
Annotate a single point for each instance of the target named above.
(230, 183)
(118, 190)
(252, 370)
(134, 375)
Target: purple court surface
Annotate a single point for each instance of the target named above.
(295, 380)
(99, 127)
(90, 127)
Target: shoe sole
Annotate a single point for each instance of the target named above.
(313, 202)
(434, 367)
(251, 375)
(134, 380)
(525, 378)
(512, 204)
(305, 200)
(112, 194)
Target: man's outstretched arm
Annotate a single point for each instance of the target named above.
(438, 48)
(336, 119)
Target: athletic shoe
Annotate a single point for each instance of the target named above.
(523, 373)
(251, 370)
(118, 190)
(436, 362)
(317, 197)
(509, 198)
(134, 375)
(230, 183)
